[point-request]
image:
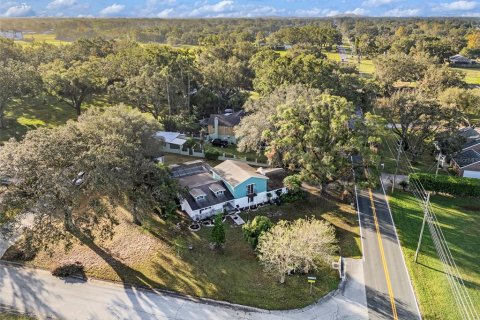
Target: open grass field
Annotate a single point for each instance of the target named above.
(41, 37)
(472, 76)
(157, 255)
(460, 222)
(365, 67)
(32, 113)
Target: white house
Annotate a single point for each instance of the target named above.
(174, 141)
(230, 186)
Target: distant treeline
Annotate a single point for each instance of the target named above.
(377, 33)
(171, 31)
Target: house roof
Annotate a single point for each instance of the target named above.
(195, 192)
(236, 172)
(197, 178)
(466, 158)
(471, 135)
(275, 176)
(216, 187)
(459, 58)
(226, 120)
(171, 137)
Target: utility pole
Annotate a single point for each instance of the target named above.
(399, 150)
(425, 213)
(427, 204)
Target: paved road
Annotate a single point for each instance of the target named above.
(38, 293)
(388, 288)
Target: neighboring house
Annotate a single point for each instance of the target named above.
(230, 186)
(472, 137)
(14, 35)
(467, 164)
(459, 60)
(174, 141)
(220, 126)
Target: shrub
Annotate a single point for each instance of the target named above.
(190, 143)
(292, 196)
(456, 186)
(252, 230)
(212, 154)
(69, 269)
(218, 232)
(293, 183)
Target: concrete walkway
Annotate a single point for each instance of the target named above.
(38, 293)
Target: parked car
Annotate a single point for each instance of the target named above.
(219, 143)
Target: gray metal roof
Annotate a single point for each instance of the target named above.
(466, 158)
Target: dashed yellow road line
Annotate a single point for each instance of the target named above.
(382, 254)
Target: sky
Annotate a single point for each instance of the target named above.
(236, 8)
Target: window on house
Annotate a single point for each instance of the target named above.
(251, 188)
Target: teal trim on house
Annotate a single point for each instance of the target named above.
(240, 191)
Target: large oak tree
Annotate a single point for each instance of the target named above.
(71, 177)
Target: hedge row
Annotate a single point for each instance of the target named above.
(456, 186)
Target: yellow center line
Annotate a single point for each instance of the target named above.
(382, 254)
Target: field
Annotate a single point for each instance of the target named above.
(32, 113)
(41, 37)
(157, 255)
(460, 222)
(365, 67)
(472, 76)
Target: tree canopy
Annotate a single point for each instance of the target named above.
(72, 176)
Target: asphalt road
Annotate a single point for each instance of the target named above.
(388, 288)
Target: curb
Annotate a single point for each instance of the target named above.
(207, 301)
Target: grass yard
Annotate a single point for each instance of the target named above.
(231, 151)
(33, 113)
(472, 76)
(157, 255)
(426, 163)
(460, 222)
(11, 316)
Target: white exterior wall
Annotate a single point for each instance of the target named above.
(241, 202)
(471, 174)
(259, 198)
(206, 212)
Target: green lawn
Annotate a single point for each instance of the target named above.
(32, 113)
(40, 37)
(157, 255)
(472, 76)
(425, 163)
(11, 316)
(232, 150)
(460, 222)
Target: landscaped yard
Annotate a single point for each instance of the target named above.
(460, 222)
(157, 255)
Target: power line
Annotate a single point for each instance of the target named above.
(462, 298)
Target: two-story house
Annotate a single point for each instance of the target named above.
(231, 185)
